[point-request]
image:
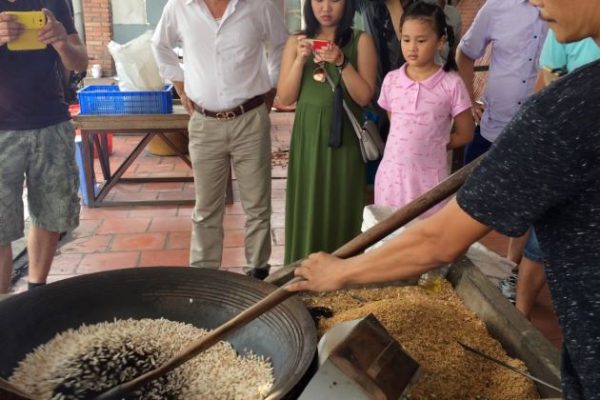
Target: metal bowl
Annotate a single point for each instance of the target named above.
(205, 298)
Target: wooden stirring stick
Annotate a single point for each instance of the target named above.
(357, 245)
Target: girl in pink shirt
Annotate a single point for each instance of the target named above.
(422, 100)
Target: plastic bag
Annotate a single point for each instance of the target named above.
(135, 64)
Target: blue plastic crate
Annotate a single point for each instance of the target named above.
(108, 99)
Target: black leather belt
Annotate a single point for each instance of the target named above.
(226, 115)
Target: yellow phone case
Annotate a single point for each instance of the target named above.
(33, 21)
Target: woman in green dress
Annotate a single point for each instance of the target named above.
(326, 174)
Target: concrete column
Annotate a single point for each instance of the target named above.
(97, 17)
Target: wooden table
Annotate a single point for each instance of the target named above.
(94, 129)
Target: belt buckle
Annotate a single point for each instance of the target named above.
(225, 115)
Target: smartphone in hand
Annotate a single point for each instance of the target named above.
(32, 21)
(318, 44)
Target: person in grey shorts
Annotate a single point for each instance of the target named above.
(36, 137)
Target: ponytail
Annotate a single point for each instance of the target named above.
(451, 60)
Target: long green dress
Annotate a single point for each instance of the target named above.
(325, 186)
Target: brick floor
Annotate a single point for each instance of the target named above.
(164, 258)
(97, 262)
(88, 244)
(139, 242)
(178, 240)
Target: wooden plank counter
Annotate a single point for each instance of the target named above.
(94, 129)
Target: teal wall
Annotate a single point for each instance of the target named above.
(292, 15)
(124, 33)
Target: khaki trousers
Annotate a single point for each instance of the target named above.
(214, 145)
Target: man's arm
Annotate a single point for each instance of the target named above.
(275, 39)
(71, 51)
(472, 46)
(466, 69)
(428, 244)
(165, 38)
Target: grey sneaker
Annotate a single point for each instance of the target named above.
(508, 288)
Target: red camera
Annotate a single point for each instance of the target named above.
(318, 44)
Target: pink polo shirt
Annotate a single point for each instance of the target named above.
(415, 157)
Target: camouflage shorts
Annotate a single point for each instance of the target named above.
(45, 159)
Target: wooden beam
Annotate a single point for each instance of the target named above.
(517, 335)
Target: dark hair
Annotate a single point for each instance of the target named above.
(433, 13)
(343, 31)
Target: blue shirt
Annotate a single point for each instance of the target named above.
(516, 33)
(568, 55)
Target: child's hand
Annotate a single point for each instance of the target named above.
(303, 48)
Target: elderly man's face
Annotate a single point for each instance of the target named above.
(571, 20)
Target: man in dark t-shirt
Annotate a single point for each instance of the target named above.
(36, 136)
(557, 188)
(544, 170)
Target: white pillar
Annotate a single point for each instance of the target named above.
(78, 17)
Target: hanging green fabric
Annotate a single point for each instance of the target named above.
(325, 186)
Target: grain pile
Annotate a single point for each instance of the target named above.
(77, 364)
(427, 323)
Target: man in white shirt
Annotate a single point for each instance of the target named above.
(231, 54)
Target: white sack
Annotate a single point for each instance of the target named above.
(135, 64)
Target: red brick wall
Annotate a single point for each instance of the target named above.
(468, 9)
(97, 17)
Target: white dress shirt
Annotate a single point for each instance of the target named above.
(226, 61)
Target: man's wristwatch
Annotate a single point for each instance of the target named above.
(340, 67)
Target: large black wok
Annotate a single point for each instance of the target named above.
(202, 297)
